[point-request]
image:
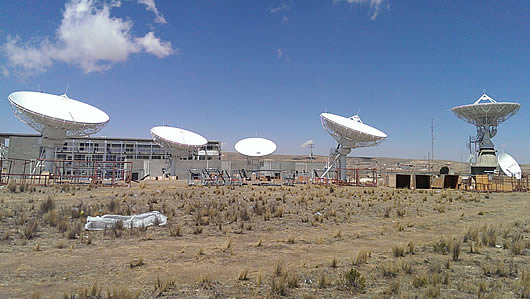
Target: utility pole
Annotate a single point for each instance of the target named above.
(432, 139)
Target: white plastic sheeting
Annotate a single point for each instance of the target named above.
(141, 220)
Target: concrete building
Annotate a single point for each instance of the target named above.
(147, 157)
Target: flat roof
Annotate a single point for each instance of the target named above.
(89, 138)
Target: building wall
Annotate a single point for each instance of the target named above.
(148, 158)
(25, 148)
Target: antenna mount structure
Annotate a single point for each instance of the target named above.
(485, 114)
(349, 133)
(56, 118)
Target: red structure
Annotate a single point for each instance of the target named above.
(31, 172)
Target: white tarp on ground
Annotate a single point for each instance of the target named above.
(141, 220)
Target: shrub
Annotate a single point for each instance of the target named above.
(334, 263)
(411, 247)
(441, 246)
(279, 285)
(12, 186)
(489, 237)
(406, 267)
(322, 281)
(175, 230)
(23, 187)
(137, 262)
(354, 280)
(433, 292)
(525, 284)
(394, 286)
(117, 228)
(243, 275)
(51, 218)
(278, 268)
(362, 257)
(390, 269)
(419, 281)
(74, 231)
(516, 246)
(455, 248)
(30, 230)
(62, 224)
(113, 206)
(387, 212)
(292, 281)
(398, 251)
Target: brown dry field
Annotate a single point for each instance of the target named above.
(305, 241)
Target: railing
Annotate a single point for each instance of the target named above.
(105, 173)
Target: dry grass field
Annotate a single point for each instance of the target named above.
(299, 242)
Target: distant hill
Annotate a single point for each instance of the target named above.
(365, 162)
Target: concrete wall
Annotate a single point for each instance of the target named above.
(23, 148)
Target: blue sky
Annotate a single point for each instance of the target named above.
(234, 69)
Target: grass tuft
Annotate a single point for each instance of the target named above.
(362, 257)
(398, 250)
(30, 230)
(137, 262)
(243, 275)
(354, 280)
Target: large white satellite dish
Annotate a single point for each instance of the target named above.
(255, 147)
(486, 114)
(349, 133)
(509, 166)
(178, 141)
(176, 138)
(56, 118)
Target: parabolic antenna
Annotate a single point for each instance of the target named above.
(255, 147)
(349, 133)
(509, 166)
(177, 139)
(57, 117)
(486, 114)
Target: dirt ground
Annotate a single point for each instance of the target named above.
(305, 241)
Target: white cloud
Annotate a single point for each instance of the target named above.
(150, 5)
(152, 45)
(375, 5)
(285, 20)
(282, 7)
(87, 36)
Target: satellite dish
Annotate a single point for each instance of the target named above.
(177, 139)
(509, 166)
(56, 117)
(308, 143)
(255, 147)
(349, 133)
(486, 114)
